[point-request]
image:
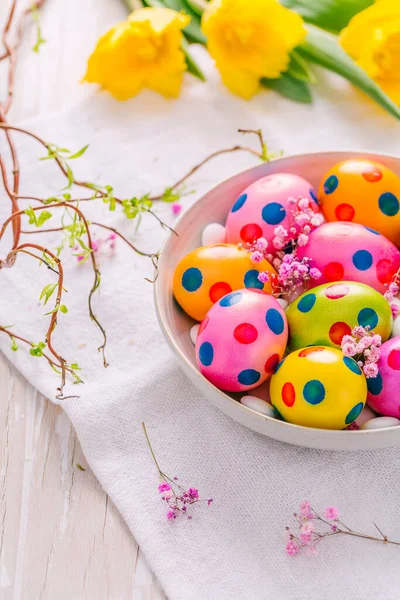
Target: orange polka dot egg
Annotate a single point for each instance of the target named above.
(208, 273)
(264, 205)
(352, 252)
(365, 192)
(323, 315)
(318, 387)
(241, 340)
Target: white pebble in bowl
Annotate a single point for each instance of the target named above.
(284, 303)
(380, 423)
(258, 405)
(193, 333)
(213, 233)
(396, 327)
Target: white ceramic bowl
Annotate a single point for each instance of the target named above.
(214, 207)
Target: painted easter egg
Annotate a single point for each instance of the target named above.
(206, 274)
(363, 191)
(264, 205)
(323, 315)
(351, 252)
(383, 390)
(318, 387)
(241, 340)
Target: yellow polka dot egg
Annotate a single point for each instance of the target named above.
(208, 273)
(318, 387)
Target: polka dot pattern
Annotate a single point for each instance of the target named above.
(372, 174)
(362, 260)
(394, 359)
(331, 184)
(192, 279)
(231, 299)
(334, 292)
(385, 270)
(352, 365)
(313, 196)
(372, 230)
(272, 363)
(334, 271)
(389, 204)
(250, 232)
(288, 394)
(307, 351)
(249, 377)
(245, 333)
(275, 321)
(375, 385)
(367, 317)
(239, 203)
(344, 212)
(206, 354)
(353, 414)
(203, 324)
(273, 213)
(251, 279)
(218, 290)
(314, 391)
(306, 303)
(337, 331)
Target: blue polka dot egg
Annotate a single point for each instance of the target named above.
(241, 340)
(208, 273)
(318, 387)
(265, 204)
(323, 315)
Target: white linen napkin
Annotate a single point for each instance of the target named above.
(235, 547)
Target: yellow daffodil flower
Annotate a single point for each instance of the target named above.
(249, 40)
(142, 52)
(372, 38)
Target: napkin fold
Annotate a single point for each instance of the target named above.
(235, 547)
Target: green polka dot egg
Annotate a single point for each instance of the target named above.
(318, 387)
(323, 315)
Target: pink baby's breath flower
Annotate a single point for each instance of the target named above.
(164, 487)
(370, 370)
(331, 513)
(263, 277)
(261, 244)
(395, 309)
(193, 493)
(176, 208)
(303, 203)
(315, 273)
(171, 514)
(305, 509)
(306, 532)
(256, 256)
(292, 548)
(302, 240)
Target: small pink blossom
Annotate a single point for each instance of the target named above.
(395, 309)
(302, 240)
(370, 370)
(303, 203)
(292, 548)
(305, 509)
(171, 514)
(263, 277)
(256, 256)
(261, 244)
(331, 513)
(193, 493)
(315, 273)
(176, 208)
(306, 532)
(164, 487)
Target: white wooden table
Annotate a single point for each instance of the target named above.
(60, 536)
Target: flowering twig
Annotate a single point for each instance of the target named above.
(177, 498)
(363, 345)
(311, 529)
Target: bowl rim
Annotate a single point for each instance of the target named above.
(339, 434)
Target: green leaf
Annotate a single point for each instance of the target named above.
(14, 345)
(323, 49)
(192, 31)
(332, 15)
(299, 68)
(198, 6)
(80, 467)
(289, 87)
(191, 64)
(70, 176)
(63, 309)
(47, 292)
(44, 216)
(31, 214)
(79, 153)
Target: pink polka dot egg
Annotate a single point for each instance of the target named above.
(264, 205)
(351, 252)
(241, 340)
(383, 390)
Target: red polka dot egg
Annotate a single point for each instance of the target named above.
(208, 273)
(241, 340)
(264, 205)
(363, 191)
(318, 387)
(383, 390)
(352, 252)
(323, 315)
